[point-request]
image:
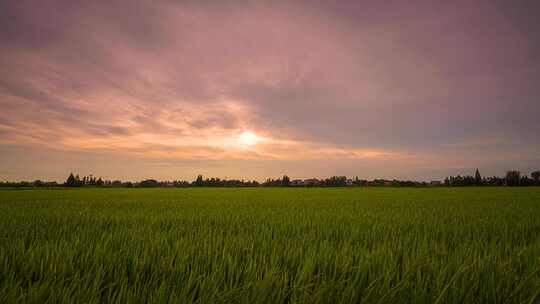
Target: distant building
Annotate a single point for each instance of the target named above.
(297, 182)
(312, 182)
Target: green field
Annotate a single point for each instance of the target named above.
(318, 245)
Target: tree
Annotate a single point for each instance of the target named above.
(477, 178)
(285, 181)
(199, 182)
(336, 181)
(536, 177)
(513, 178)
(71, 181)
(525, 181)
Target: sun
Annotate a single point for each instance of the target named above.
(248, 138)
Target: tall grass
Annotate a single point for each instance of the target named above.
(477, 245)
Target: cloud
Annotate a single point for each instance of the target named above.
(356, 81)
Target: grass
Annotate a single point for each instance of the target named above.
(320, 245)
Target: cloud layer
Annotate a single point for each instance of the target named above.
(427, 88)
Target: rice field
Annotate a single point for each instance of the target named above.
(270, 245)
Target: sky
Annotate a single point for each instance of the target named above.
(254, 89)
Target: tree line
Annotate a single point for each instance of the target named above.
(512, 178)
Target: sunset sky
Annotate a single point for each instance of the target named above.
(253, 89)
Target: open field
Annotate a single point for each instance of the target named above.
(374, 245)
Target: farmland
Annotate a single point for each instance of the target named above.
(275, 245)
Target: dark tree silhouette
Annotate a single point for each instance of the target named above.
(285, 181)
(513, 178)
(337, 181)
(536, 177)
(71, 181)
(199, 182)
(477, 178)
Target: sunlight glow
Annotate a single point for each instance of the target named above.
(248, 138)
